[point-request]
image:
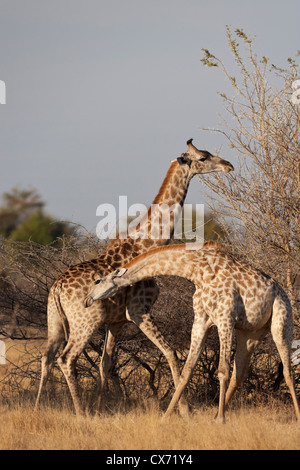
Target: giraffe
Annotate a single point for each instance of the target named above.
(66, 316)
(230, 294)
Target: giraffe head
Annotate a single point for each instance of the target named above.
(106, 286)
(201, 161)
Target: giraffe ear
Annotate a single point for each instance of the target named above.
(183, 160)
(119, 272)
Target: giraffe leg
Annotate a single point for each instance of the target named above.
(77, 341)
(148, 327)
(282, 330)
(200, 330)
(47, 361)
(67, 362)
(106, 360)
(138, 307)
(55, 338)
(246, 343)
(225, 337)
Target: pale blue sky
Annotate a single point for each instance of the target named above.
(102, 94)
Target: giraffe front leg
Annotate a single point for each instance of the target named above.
(225, 337)
(148, 327)
(200, 330)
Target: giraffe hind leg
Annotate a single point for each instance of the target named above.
(282, 330)
(47, 362)
(56, 336)
(67, 362)
(246, 343)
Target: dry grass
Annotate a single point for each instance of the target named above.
(264, 426)
(271, 427)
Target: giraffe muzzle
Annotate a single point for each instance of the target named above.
(229, 167)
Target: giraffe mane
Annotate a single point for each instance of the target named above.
(166, 182)
(213, 244)
(157, 198)
(180, 246)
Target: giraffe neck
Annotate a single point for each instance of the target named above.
(173, 260)
(172, 194)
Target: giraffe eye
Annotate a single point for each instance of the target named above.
(204, 155)
(98, 281)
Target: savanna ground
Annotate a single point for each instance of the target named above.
(258, 423)
(261, 427)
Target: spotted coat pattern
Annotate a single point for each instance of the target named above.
(69, 321)
(230, 294)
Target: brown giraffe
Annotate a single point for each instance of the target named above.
(67, 318)
(229, 294)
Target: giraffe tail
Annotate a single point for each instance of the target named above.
(64, 321)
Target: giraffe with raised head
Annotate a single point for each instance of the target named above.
(230, 294)
(67, 318)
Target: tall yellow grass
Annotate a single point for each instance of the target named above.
(54, 426)
(258, 428)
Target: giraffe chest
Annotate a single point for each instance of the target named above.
(101, 312)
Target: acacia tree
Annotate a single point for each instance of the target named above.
(258, 207)
(22, 218)
(17, 205)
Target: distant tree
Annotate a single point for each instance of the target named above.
(17, 205)
(212, 230)
(22, 218)
(40, 228)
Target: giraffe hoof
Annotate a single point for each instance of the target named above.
(219, 419)
(166, 415)
(184, 410)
